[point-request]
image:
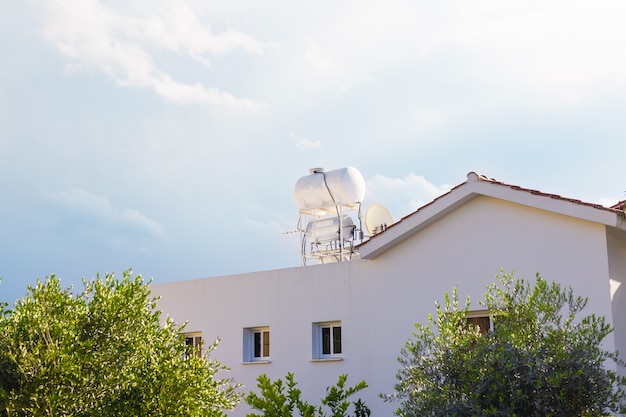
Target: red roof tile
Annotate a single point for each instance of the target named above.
(617, 208)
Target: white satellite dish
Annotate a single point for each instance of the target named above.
(377, 219)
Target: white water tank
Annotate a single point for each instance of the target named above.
(327, 229)
(324, 191)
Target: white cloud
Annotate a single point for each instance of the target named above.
(558, 52)
(402, 196)
(555, 52)
(303, 143)
(607, 202)
(95, 210)
(197, 93)
(178, 27)
(93, 36)
(323, 63)
(320, 60)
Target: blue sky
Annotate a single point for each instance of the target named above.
(167, 136)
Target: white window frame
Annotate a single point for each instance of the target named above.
(194, 339)
(330, 333)
(256, 338)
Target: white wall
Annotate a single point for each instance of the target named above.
(378, 300)
(617, 268)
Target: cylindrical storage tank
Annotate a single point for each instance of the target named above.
(327, 229)
(321, 191)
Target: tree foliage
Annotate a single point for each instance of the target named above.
(104, 352)
(538, 359)
(278, 399)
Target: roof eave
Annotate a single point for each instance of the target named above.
(473, 187)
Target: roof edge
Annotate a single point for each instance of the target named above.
(480, 185)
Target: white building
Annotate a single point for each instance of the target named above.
(275, 322)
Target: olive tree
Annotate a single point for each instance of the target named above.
(103, 352)
(278, 399)
(538, 358)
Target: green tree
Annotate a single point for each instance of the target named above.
(104, 352)
(538, 359)
(278, 399)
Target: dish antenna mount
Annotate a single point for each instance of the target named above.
(377, 219)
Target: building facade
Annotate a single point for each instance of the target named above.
(320, 321)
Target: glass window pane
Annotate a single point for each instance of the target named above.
(266, 343)
(198, 345)
(483, 323)
(257, 344)
(337, 339)
(325, 340)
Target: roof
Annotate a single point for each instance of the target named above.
(620, 205)
(480, 185)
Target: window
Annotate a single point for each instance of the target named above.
(195, 340)
(481, 319)
(256, 344)
(327, 340)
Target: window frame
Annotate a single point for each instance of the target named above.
(196, 341)
(256, 340)
(480, 314)
(327, 341)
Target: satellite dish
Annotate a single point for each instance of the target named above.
(377, 218)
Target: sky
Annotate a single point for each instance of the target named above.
(167, 136)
